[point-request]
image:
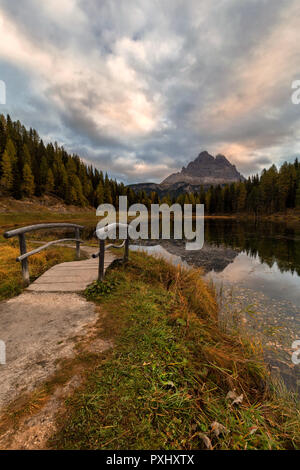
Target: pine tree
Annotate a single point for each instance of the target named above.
(26, 156)
(107, 191)
(99, 194)
(87, 190)
(9, 169)
(43, 174)
(297, 201)
(72, 196)
(241, 201)
(11, 150)
(28, 181)
(3, 136)
(268, 184)
(50, 181)
(166, 200)
(81, 201)
(283, 183)
(64, 186)
(6, 181)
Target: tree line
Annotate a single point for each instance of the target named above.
(28, 167)
(272, 191)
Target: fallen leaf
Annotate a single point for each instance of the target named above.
(218, 428)
(169, 383)
(236, 399)
(253, 430)
(206, 440)
(231, 395)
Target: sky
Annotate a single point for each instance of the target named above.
(139, 88)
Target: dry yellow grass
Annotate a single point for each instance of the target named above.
(10, 270)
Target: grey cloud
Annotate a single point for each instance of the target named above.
(208, 45)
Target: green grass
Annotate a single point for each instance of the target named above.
(165, 381)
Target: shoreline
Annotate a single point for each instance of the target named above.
(173, 375)
(181, 379)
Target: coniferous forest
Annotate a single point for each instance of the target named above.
(28, 167)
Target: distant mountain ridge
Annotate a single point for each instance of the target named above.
(205, 171)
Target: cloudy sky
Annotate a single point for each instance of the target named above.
(140, 87)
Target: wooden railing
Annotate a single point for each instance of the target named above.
(24, 254)
(20, 233)
(103, 247)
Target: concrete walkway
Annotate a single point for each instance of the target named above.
(44, 324)
(39, 329)
(73, 276)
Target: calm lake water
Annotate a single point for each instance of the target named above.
(255, 268)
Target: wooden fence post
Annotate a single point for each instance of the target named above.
(126, 250)
(77, 236)
(101, 260)
(24, 262)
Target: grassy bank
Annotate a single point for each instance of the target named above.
(10, 271)
(14, 220)
(34, 210)
(165, 383)
(15, 213)
(290, 215)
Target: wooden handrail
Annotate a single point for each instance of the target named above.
(23, 258)
(40, 248)
(20, 233)
(31, 228)
(101, 255)
(111, 245)
(102, 247)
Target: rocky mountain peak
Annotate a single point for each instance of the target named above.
(206, 169)
(204, 156)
